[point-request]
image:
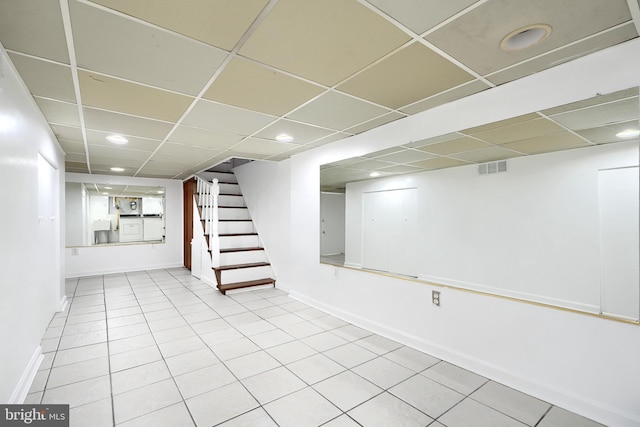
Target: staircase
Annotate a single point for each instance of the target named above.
(238, 258)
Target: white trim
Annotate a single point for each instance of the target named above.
(26, 379)
(62, 305)
(564, 398)
(121, 270)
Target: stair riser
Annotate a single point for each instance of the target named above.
(227, 242)
(235, 227)
(233, 213)
(244, 274)
(230, 189)
(233, 258)
(230, 201)
(223, 177)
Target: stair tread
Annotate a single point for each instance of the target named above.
(254, 248)
(233, 207)
(246, 284)
(239, 266)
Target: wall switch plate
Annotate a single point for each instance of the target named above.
(435, 297)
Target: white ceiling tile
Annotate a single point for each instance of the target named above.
(262, 146)
(114, 45)
(59, 112)
(33, 27)
(337, 111)
(420, 15)
(224, 118)
(598, 115)
(405, 156)
(68, 133)
(374, 123)
(301, 133)
(203, 138)
(95, 137)
(46, 79)
(124, 124)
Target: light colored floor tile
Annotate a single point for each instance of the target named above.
(388, 410)
(162, 314)
(221, 404)
(210, 326)
(302, 329)
(271, 338)
(33, 398)
(518, 405)
(148, 308)
(80, 354)
(242, 297)
(232, 349)
(79, 371)
(53, 332)
(197, 307)
(342, 421)
(185, 345)
(201, 316)
(351, 332)
(329, 322)
(172, 416)
(125, 320)
(242, 318)
(271, 311)
(80, 393)
(39, 381)
(558, 417)
(47, 361)
(128, 331)
(173, 334)
(187, 362)
(203, 380)
(134, 358)
(221, 336)
(168, 323)
(294, 306)
(285, 319)
(383, 372)
(469, 412)
(454, 377)
(428, 396)
(49, 345)
(94, 414)
(291, 351)
(132, 343)
(310, 313)
(256, 418)
(273, 384)
(230, 310)
(83, 318)
(324, 341)
(123, 312)
(86, 338)
(79, 328)
(413, 359)
(304, 408)
(252, 364)
(350, 355)
(139, 376)
(315, 368)
(256, 327)
(144, 400)
(347, 390)
(258, 304)
(378, 344)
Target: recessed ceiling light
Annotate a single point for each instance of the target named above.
(374, 174)
(628, 133)
(105, 193)
(160, 192)
(117, 139)
(525, 37)
(108, 188)
(117, 169)
(283, 137)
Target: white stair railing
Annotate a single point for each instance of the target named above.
(208, 193)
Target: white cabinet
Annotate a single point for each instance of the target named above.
(131, 230)
(153, 229)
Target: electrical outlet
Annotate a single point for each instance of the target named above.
(74, 251)
(435, 298)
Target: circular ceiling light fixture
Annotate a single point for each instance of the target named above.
(374, 174)
(116, 169)
(117, 139)
(628, 133)
(283, 137)
(525, 37)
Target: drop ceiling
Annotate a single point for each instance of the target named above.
(191, 84)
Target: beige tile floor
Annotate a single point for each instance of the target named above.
(161, 348)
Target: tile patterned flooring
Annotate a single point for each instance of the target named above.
(161, 348)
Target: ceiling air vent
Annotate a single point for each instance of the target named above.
(493, 167)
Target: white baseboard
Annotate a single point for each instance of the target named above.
(22, 388)
(75, 274)
(567, 399)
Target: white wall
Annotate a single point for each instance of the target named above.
(28, 300)
(269, 203)
(577, 361)
(530, 233)
(118, 258)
